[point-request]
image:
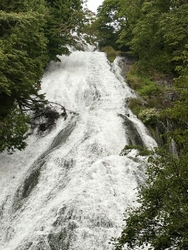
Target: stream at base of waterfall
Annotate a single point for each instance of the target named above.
(68, 190)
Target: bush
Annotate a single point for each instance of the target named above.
(149, 88)
(111, 53)
(149, 115)
(141, 83)
(133, 78)
(135, 104)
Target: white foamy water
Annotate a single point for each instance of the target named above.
(69, 189)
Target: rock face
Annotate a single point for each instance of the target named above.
(132, 133)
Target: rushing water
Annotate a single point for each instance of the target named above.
(69, 188)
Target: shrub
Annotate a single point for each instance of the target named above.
(110, 52)
(133, 78)
(141, 83)
(135, 104)
(149, 115)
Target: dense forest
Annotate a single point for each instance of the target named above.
(154, 34)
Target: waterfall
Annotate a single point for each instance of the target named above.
(68, 190)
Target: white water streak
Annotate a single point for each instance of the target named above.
(84, 185)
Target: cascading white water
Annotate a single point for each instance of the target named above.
(69, 188)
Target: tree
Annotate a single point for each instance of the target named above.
(31, 34)
(130, 11)
(107, 23)
(156, 32)
(161, 220)
(88, 29)
(173, 29)
(153, 30)
(64, 17)
(23, 57)
(12, 130)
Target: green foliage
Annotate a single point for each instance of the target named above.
(133, 79)
(63, 17)
(149, 88)
(161, 219)
(178, 113)
(151, 92)
(128, 14)
(136, 105)
(12, 130)
(23, 6)
(153, 30)
(31, 34)
(173, 29)
(107, 23)
(88, 29)
(111, 53)
(140, 82)
(143, 151)
(23, 56)
(149, 115)
(154, 90)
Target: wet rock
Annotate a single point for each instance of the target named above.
(132, 133)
